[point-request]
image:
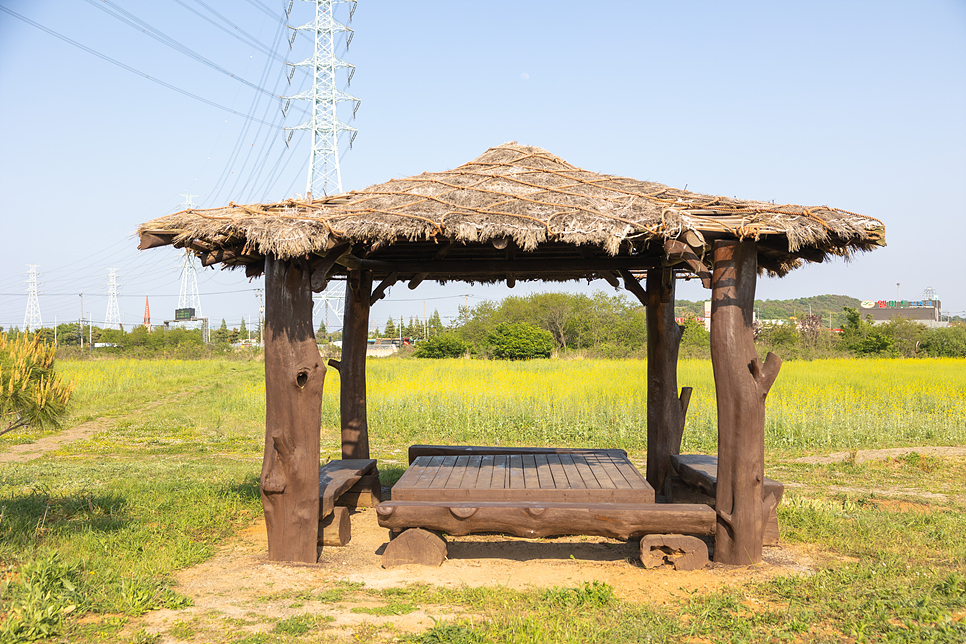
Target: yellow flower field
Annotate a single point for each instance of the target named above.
(814, 406)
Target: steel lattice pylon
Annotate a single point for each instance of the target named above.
(31, 319)
(324, 173)
(113, 315)
(189, 298)
(332, 299)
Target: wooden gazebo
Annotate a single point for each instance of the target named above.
(515, 213)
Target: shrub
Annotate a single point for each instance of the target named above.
(30, 392)
(446, 345)
(520, 342)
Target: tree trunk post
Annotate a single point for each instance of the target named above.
(665, 413)
(352, 371)
(294, 375)
(742, 383)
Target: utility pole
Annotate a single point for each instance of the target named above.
(261, 319)
(324, 173)
(31, 319)
(82, 321)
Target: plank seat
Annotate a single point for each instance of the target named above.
(337, 477)
(701, 472)
(544, 519)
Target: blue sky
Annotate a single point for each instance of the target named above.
(855, 104)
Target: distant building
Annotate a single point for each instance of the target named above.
(927, 312)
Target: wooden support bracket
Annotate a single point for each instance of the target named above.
(322, 266)
(634, 286)
(380, 291)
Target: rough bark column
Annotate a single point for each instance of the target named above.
(294, 375)
(742, 383)
(352, 370)
(665, 412)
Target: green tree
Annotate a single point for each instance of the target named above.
(434, 325)
(243, 330)
(390, 330)
(510, 341)
(321, 335)
(31, 393)
(221, 335)
(862, 337)
(445, 345)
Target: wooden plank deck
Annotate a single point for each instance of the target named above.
(590, 476)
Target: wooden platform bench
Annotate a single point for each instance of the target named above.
(695, 480)
(345, 484)
(526, 492)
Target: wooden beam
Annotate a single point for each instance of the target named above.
(741, 384)
(294, 375)
(219, 255)
(256, 268)
(497, 267)
(541, 519)
(417, 280)
(355, 336)
(153, 239)
(665, 411)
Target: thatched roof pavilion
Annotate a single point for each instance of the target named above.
(547, 208)
(514, 213)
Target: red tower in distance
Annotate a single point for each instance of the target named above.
(147, 314)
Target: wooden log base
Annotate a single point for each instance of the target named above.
(415, 546)
(532, 519)
(699, 473)
(366, 493)
(683, 552)
(337, 477)
(335, 529)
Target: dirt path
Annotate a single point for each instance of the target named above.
(24, 452)
(863, 455)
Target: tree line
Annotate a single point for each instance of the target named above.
(607, 326)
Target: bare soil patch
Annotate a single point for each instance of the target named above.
(240, 587)
(863, 455)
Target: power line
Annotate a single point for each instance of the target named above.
(131, 20)
(132, 69)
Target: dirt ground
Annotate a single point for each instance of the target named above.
(241, 584)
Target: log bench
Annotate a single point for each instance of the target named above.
(695, 480)
(344, 484)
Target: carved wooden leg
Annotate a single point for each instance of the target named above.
(294, 375)
(741, 383)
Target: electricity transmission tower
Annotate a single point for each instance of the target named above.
(189, 298)
(332, 299)
(31, 318)
(324, 174)
(113, 315)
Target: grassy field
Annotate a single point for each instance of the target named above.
(97, 527)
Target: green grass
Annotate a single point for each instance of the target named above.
(100, 526)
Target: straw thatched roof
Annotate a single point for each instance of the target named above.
(513, 203)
